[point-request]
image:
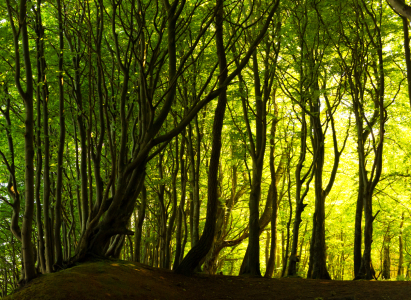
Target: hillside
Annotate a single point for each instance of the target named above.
(125, 280)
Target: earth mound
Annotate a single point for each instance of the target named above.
(116, 279)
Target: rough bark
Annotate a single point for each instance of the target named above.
(401, 8)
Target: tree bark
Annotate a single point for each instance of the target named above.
(401, 8)
(139, 225)
(386, 266)
(194, 179)
(358, 226)
(27, 97)
(299, 196)
(196, 254)
(370, 181)
(181, 215)
(400, 271)
(59, 188)
(170, 229)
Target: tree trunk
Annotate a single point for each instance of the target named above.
(358, 227)
(273, 249)
(39, 167)
(366, 269)
(194, 179)
(319, 270)
(400, 271)
(407, 53)
(44, 93)
(257, 153)
(163, 214)
(253, 266)
(289, 218)
(197, 253)
(311, 242)
(59, 189)
(299, 197)
(386, 266)
(301, 247)
(181, 216)
(139, 225)
(27, 97)
(171, 227)
(319, 264)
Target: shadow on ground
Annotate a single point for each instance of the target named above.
(126, 280)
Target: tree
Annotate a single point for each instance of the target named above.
(118, 134)
(21, 32)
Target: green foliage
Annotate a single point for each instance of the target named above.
(316, 42)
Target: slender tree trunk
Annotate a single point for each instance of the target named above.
(59, 189)
(78, 176)
(319, 265)
(163, 214)
(273, 196)
(386, 266)
(273, 249)
(253, 266)
(311, 256)
(39, 167)
(299, 196)
(185, 238)
(366, 269)
(289, 218)
(180, 216)
(400, 271)
(358, 227)
(27, 96)
(197, 253)
(301, 247)
(171, 227)
(257, 154)
(194, 178)
(46, 171)
(139, 225)
(83, 165)
(371, 179)
(267, 247)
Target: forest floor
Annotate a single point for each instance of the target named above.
(118, 279)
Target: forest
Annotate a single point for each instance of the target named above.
(260, 138)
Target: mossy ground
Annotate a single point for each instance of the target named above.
(125, 280)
